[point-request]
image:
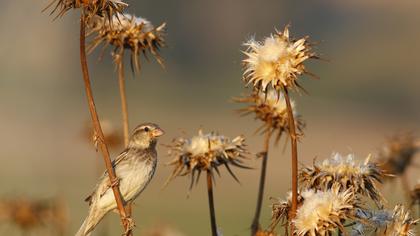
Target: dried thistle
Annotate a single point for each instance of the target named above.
(387, 223)
(397, 155)
(104, 8)
(129, 32)
(362, 178)
(270, 107)
(323, 212)
(278, 61)
(206, 152)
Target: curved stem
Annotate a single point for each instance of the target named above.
(211, 204)
(255, 226)
(293, 138)
(97, 127)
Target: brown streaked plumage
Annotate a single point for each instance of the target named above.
(134, 168)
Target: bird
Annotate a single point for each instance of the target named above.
(134, 168)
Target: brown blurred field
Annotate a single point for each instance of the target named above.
(368, 90)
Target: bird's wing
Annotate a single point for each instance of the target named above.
(103, 184)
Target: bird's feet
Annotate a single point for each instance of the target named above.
(115, 182)
(111, 184)
(129, 225)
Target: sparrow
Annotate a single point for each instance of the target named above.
(134, 168)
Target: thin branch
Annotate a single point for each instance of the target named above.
(255, 226)
(98, 130)
(293, 138)
(211, 203)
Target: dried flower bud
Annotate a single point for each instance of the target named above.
(103, 8)
(270, 107)
(128, 32)
(278, 61)
(206, 152)
(324, 211)
(362, 178)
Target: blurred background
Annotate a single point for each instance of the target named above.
(369, 90)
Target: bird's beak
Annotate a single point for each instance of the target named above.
(158, 132)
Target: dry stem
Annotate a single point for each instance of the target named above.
(97, 127)
(121, 82)
(255, 226)
(211, 204)
(119, 60)
(293, 137)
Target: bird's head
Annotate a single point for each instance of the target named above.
(145, 136)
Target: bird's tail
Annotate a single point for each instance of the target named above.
(90, 222)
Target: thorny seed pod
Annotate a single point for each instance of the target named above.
(128, 32)
(323, 212)
(206, 152)
(103, 8)
(387, 223)
(278, 61)
(362, 178)
(397, 155)
(270, 107)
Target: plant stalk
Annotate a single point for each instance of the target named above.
(119, 60)
(293, 138)
(98, 130)
(255, 226)
(211, 204)
(124, 109)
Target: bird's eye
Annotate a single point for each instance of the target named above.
(146, 129)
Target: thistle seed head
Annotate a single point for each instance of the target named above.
(324, 211)
(277, 61)
(206, 152)
(103, 8)
(270, 107)
(129, 32)
(362, 178)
